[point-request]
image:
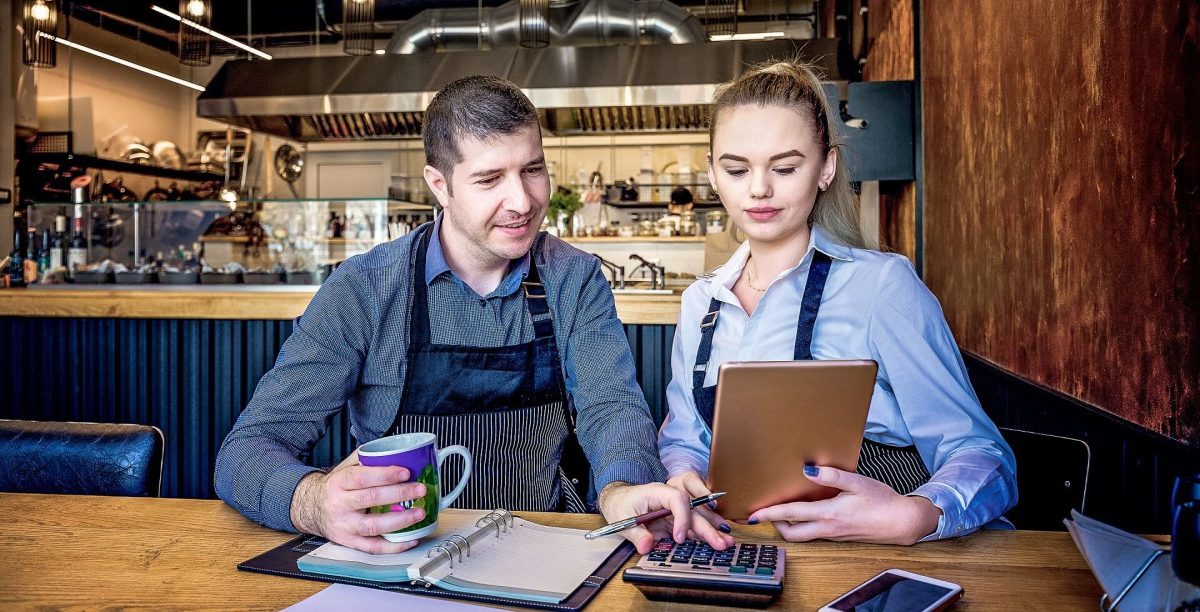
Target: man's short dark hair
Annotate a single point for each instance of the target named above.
(478, 106)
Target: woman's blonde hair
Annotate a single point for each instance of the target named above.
(795, 85)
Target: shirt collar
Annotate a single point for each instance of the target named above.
(436, 265)
(727, 274)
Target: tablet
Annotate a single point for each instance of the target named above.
(772, 417)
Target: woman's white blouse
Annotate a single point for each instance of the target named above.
(874, 307)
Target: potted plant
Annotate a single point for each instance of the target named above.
(563, 204)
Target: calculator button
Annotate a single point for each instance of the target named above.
(737, 569)
(764, 571)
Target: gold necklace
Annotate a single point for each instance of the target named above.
(750, 279)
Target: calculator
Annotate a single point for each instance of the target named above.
(749, 575)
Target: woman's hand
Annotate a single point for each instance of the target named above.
(691, 483)
(865, 510)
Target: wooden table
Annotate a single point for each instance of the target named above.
(80, 552)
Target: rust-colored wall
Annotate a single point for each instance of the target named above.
(1062, 177)
(890, 57)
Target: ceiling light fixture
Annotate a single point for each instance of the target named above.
(747, 36)
(39, 16)
(123, 62)
(215, 34)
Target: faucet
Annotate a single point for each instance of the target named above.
(617, 272)
(658, 274)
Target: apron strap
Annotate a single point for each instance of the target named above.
(818, 272)
(536, 302)
(708, 325)
(418, 320)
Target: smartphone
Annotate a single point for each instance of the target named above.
(896, 590)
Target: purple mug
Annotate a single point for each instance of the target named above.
(419, 453)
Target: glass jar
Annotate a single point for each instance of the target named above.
(665, 227)
(687, 224)
(715, 221)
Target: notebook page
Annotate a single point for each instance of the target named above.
(534, 557)
(450, 522)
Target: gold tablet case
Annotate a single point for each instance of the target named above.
(772, 417)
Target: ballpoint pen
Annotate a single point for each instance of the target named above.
(642, 519)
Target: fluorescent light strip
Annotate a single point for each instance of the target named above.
(113, 58)
(747, 36)
(213, 33)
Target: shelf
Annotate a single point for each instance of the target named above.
(643, 204)
(626, 239)
(117, 165)
(392, 205)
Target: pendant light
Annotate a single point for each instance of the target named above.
(195, 46)
(39, 16)
(358, 27)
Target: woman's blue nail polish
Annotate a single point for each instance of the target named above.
(811, 470)
(724, 528)
(752, 522)
(712, 505)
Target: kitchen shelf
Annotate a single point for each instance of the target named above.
(644, 204)
(117, 165)
(622, 239)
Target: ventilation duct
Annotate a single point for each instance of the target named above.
(570, 24)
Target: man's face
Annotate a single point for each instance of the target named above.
(500, 195)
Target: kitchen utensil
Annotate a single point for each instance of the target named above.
(289, 164)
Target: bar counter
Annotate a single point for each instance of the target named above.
(187, 359)
(238, 302)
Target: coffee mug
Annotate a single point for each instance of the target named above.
(418, 452)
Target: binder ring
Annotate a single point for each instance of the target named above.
(464, 541)
(449, 557)
(506, 515)
(488, 518)
(455, 545)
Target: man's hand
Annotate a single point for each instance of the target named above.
(865, 510)
(694, 486)
(621, 500)
(333, 505)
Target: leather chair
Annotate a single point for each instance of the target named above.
(80, 458)
(1052, 475)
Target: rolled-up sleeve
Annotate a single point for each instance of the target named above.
(974, 472)
(262, 459)
(613, 421)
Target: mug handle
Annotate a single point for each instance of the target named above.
(456, 449)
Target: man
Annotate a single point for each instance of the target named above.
(477, 328)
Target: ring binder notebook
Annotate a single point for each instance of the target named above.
(494, 557)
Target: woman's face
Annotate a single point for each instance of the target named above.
(767, 164)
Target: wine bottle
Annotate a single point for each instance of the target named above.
(77, 251)
(58, 243)
(16, 263)
(31, 264)
(43, 256)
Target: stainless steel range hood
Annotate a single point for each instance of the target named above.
(610, 89)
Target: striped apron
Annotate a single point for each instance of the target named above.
(898, 467)
(506, 404)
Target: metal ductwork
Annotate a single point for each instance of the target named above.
(582, 90)
(575, 23)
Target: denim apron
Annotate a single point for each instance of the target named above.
(898, 467)
(508, 405)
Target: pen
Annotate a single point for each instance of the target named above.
(642, 519)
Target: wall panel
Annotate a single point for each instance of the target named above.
(1062, 177)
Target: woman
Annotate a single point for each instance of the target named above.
(933, 465)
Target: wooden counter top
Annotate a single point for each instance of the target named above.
(268, 302)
